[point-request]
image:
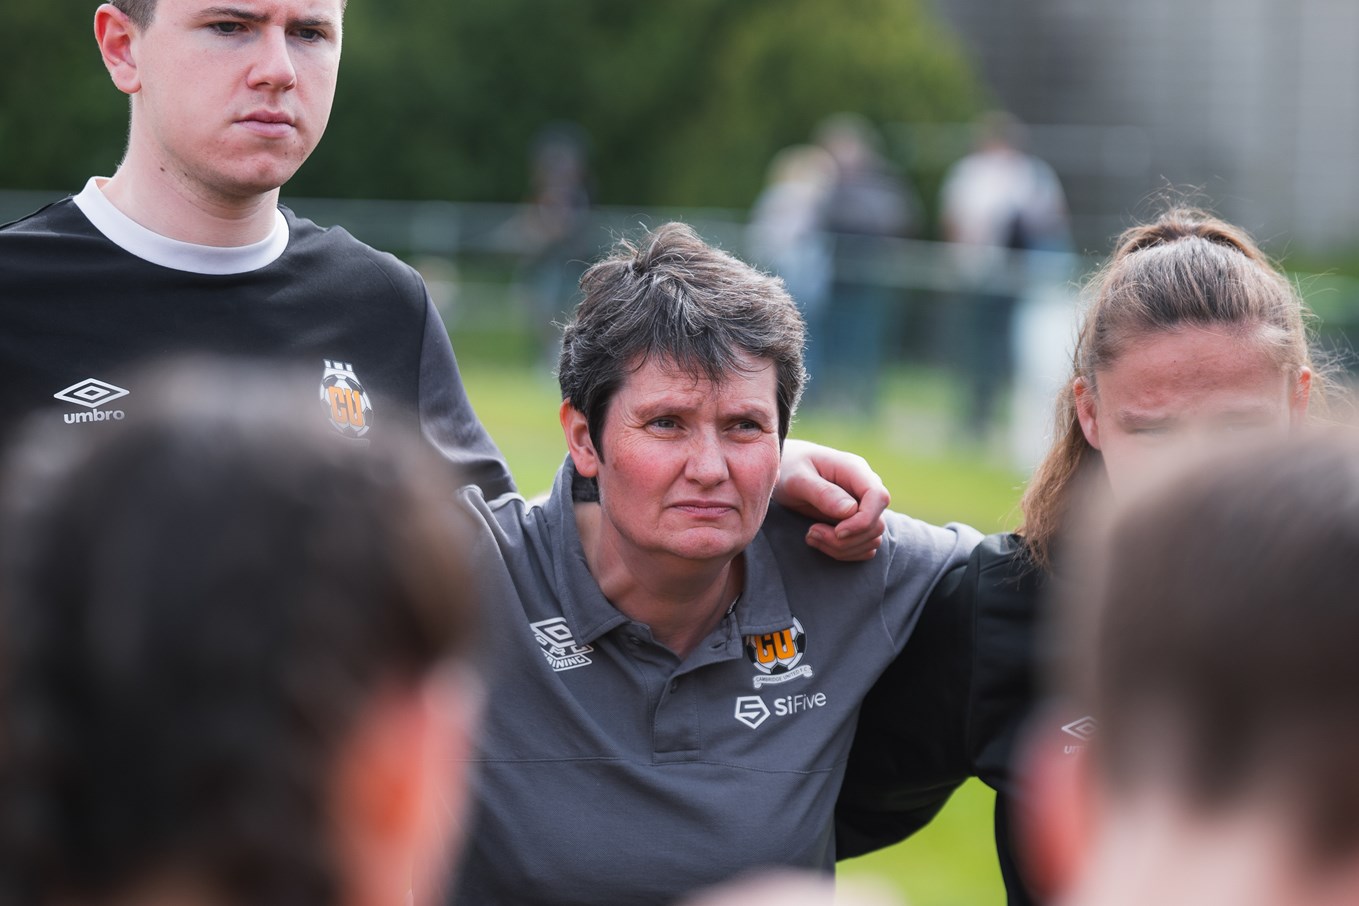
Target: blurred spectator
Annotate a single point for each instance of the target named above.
(868, 202)
(786, 235)
(553, 232)
(1214, 631)
(234, 656)
(996, 201)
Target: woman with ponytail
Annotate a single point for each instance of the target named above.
(1190, 334)
(1190, 329)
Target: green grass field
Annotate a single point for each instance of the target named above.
(952, 862)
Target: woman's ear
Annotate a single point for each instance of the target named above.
(1302, 392)
(576, 427)
(1086, 410)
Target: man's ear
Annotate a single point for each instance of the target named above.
(1056, 816)
(116, 36)
(1086, 411)
(1338, 884)
(576, 427)
(454, 701)
(400, 788)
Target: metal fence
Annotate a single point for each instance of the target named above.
(489, 275)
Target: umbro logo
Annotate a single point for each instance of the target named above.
(559, 647)
(92, 394)
(1082, 728)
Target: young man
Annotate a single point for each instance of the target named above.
(185, 247)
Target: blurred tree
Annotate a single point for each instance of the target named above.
(460, 89)
(781, 66)
(61, 120)
(684, 102)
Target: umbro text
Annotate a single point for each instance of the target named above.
(94, 415)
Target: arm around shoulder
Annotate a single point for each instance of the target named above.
(910, 747)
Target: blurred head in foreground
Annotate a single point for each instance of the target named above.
(788, 887)
(233, 657)
(1216, 623)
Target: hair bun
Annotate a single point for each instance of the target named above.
(1181, 223)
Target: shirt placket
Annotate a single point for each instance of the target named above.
(676, 696)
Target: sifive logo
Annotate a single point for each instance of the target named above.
(752, 711)
(559, 646)
(92, 393)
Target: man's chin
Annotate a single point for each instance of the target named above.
(260, 180)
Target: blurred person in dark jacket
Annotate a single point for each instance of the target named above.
(869, 204)
(552, 231)
(786, 234)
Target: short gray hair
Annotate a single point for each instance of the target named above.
(673, 297)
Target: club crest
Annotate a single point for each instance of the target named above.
(777, 656)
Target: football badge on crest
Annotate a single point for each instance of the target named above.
(778, 655)
(344, 399)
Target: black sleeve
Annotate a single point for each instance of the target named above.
(1005, 682)
(1006, 609)
(910, 747)
(447, 419)
(950, 707)
(1016, 893)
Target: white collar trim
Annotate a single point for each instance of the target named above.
(151, 246)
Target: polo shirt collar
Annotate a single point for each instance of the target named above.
(584, 607)
(762, 606)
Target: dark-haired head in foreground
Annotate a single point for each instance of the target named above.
(1215, 631)
(230, 657)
